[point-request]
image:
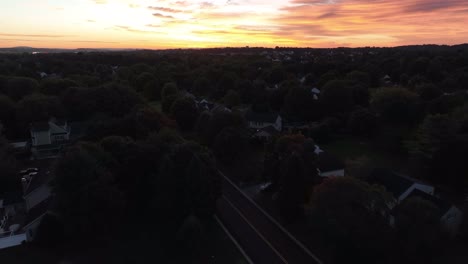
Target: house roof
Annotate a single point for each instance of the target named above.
(271, 130)
(40, 126)
(56, 126)
(42, 177)
(443, 205)
(38, 210)
(327, 162)
(57, 130)
(393, 182)
(265, 117)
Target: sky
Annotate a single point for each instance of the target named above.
(221, 23)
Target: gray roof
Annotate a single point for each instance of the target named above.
(443, 206)
(393, 182)
(265, 117)
(327, 162)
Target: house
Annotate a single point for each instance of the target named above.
(265, 133)
(36, 188)
(315, 92)
(12, 212)
(204, 105)
(34, 218)
(48, 138)
(257, 120)
(329, 165)
(399, 185)
(37, 195)
(450, 216)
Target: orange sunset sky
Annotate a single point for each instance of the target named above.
(219, 23)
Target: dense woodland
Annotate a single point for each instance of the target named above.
(150, 156)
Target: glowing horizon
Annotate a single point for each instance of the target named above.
(220, 23)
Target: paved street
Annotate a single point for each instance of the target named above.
(260, 237)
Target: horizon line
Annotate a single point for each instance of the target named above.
(237, 47)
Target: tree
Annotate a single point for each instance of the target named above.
(185, 112)
(143, 79)
(292, 192)
(396, 105)
(417, 222)
(38, 107)
(152, 90)
(53, 86)
(428, 91)
(169, 89)
(299, 102)
(188, 183)
(359, 77)
(351, 216)
(202, 87)
(449, 165)
(87, 198)
(434, 132)
(8, 179)
(112, 99)
(7, 111)
(230, 143)
(362, 122)
(231, 99)
(18, 87)
(337, 96)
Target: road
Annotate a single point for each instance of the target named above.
(259, 235)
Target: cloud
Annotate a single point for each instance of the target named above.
(372, 22)
(100, 2)
(432, 5)
(161, 15)
(94, 41)
(165, 9)
(91, 21)
(32, 35)
(132, 30)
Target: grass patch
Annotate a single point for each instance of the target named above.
(156, 105)
(354, 148)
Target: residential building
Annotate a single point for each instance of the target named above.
(257, 120)
(399, 185)
(450, 216)
(48, 138)
(328, 164)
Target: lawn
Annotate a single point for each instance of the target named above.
(156, 105)
(353, 148)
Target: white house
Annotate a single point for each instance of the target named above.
(258, 120)
(399, 185)
(265, 133)
(37, 195)
(47, 138)
(329, 165)
(36, 188)
(450, 216)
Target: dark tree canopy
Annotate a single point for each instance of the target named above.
(185, 112)
(18, 87)
(396, 104)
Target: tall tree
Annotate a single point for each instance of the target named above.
(185, 112)
(351, 217)
(292, 193)
(396, 105)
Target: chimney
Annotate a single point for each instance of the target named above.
(24, 184)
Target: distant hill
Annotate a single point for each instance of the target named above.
(24, 49)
